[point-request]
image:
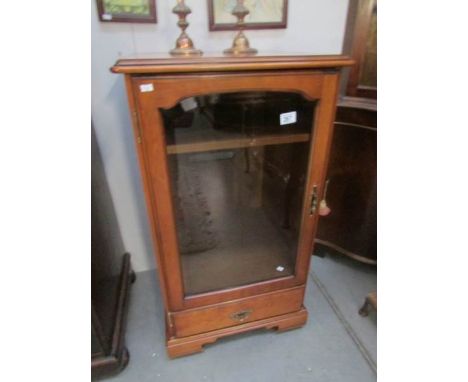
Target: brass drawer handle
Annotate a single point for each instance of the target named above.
(242, 315)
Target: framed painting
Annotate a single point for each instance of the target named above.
(264, 14)
(127, 11)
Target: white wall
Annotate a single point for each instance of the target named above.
(314, 26)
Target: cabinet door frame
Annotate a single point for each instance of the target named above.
(167, 91)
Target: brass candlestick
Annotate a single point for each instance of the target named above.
(240, 45)
(184, 44)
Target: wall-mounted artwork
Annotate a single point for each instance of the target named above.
(128, 11)
(264, 14)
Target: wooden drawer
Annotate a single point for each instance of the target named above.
(237, 312)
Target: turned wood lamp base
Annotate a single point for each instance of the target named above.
(178, 347)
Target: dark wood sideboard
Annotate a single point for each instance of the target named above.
(111, 276)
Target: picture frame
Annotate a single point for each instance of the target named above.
(264, 14)
(127, 11)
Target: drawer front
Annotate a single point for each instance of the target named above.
(237, 312)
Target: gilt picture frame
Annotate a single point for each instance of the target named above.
(264, 14)
(127, 11)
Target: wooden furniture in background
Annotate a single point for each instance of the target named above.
(361, 43)
(371, 302)
(111, 275)
(233, 209)
(351, 227)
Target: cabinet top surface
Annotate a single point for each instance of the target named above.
(165, 63)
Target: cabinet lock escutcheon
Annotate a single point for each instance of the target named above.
(314, 200)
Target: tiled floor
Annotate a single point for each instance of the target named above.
(335, 345)
(346, 283)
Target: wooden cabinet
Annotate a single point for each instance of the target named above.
(233, 153)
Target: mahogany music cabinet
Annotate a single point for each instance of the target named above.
(233, 154)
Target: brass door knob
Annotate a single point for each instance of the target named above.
(324, 210)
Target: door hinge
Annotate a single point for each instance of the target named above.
(314, 200)
(135, 122)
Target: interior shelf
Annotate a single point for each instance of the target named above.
(204, 138)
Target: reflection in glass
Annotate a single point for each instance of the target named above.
(238, 165)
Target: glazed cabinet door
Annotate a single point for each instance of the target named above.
(234, 175)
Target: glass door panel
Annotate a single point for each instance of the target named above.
(238, 167)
